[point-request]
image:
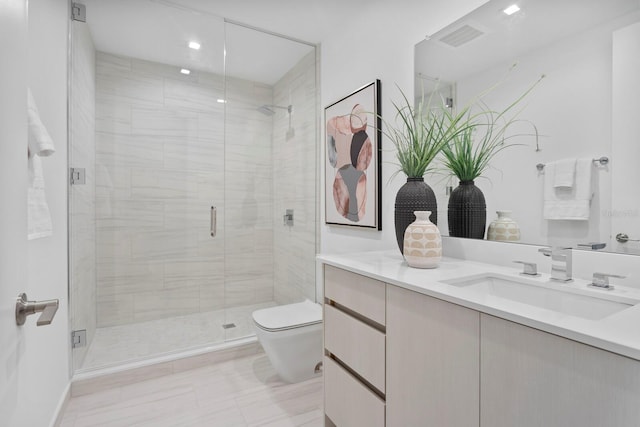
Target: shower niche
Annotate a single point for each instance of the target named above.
(165, 132)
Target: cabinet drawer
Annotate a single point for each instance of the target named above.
(361, 294)
(347, 401)
(356, 344)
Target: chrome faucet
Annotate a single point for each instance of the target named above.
(560, 263)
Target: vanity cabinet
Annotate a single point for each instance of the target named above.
(433, 362)
(401, 358)
(355, 345)
(533, 378)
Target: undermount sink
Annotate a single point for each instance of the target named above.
(586, 303)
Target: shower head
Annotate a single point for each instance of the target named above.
(268, 109)
(264, 109)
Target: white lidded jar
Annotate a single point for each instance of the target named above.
(504, 228)
(422, 242)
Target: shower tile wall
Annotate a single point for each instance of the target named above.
(160, 165)
(82, 210)
(249, 194)
(295, 183)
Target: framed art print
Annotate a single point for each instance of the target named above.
(352, 161)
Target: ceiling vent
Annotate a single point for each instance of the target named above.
(461, 36)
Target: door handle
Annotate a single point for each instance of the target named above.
(25, 308)
(214, 221)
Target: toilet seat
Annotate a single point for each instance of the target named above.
(290, 316)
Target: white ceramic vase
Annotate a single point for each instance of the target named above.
(504, 228)
(422, 242)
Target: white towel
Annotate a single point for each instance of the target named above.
(40, 144)
(568, 203)
(565, 172)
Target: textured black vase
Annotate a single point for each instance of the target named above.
(467, 211)
(415, 195)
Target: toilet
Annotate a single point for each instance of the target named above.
(291, 335)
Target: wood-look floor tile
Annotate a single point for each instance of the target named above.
(282, 402)
(145, 408)
(241, 392)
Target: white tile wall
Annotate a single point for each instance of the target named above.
(294, 175)
(161, 163)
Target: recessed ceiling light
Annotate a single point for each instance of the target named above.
(511, 9)
(222, 101)
(185, 71)
(194, 45)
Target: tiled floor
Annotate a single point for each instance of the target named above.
(241, 392)
(115, 345)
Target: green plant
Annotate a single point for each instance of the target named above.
(481, 135)
(422, 133)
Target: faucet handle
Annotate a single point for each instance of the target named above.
(601, 280)
(550, 250)
(545, 251)
(528, 268)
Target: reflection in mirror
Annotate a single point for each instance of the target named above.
(586, 107)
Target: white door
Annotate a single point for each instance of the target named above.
(13, 207)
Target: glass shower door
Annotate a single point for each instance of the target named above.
(164, 133)
(270, 151)
(146, 273)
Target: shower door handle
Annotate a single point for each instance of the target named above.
(214, 221)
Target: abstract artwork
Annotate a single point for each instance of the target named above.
(352, 165)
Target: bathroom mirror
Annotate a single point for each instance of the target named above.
(586, 107)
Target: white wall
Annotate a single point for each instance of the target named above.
(378, 44)
(47, 347)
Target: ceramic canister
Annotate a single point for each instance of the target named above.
(422, 242)
(504, 228)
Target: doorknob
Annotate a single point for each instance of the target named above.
(25, 308)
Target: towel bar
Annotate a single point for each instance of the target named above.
(602, 161)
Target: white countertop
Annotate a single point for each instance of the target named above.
(618, 333)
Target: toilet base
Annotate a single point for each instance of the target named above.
(294, 353)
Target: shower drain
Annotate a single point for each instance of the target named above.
(228, 325)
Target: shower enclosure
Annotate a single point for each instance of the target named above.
(193, 184)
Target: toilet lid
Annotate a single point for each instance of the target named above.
(288, 316)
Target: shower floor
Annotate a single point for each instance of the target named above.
(115, 345)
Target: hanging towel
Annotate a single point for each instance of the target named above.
(568, 203)
(40, 145)
(565, 172)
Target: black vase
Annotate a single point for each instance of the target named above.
(467, 211)
(415, 195)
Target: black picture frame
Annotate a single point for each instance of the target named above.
(353, 159)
